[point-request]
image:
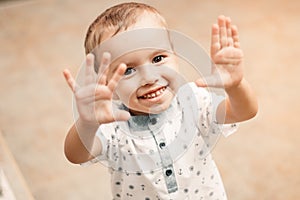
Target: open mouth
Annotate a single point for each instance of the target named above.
(154, 93)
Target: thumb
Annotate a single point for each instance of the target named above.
(121, 115)
(210, 81)
(200, 82)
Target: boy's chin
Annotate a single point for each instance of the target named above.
(159, 109)
(152, 111)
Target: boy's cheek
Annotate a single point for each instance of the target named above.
(171, 74)
(124, 91)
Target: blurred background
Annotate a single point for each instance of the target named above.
(38, 39)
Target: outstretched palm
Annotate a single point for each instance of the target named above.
(94, 97)
(227, 70)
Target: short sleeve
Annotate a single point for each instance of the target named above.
(209, 130)
(225, 129)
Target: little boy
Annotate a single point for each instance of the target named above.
(138, 140)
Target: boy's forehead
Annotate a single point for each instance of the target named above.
(136, 39)
(143, 20)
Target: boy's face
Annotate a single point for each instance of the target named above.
(148, 85)
(149, 82)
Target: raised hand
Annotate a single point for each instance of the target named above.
(227, 70)
(94, 97)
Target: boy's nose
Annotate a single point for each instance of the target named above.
(148, 74)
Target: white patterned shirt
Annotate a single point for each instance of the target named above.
(166, 156)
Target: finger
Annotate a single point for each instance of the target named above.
(215, 40)
(102, 78)
(229, 32)
(117, 77)
(235, 36)
(103, 68)
(89, 69)
(223, 31)
(70, 80)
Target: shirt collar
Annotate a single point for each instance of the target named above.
(141, 125)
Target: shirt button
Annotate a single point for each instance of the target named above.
(153, 121)
(162, 145)
(169, 172)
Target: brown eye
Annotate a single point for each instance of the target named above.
(158, 59)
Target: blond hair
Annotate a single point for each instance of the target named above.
(115, 19)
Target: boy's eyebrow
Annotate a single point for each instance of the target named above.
(160, 51)
(133, 64)
(154, 53)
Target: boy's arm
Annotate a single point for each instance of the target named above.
(227, 73)
(84, 147)
(240, 105)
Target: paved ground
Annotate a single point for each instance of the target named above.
(38, 39)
